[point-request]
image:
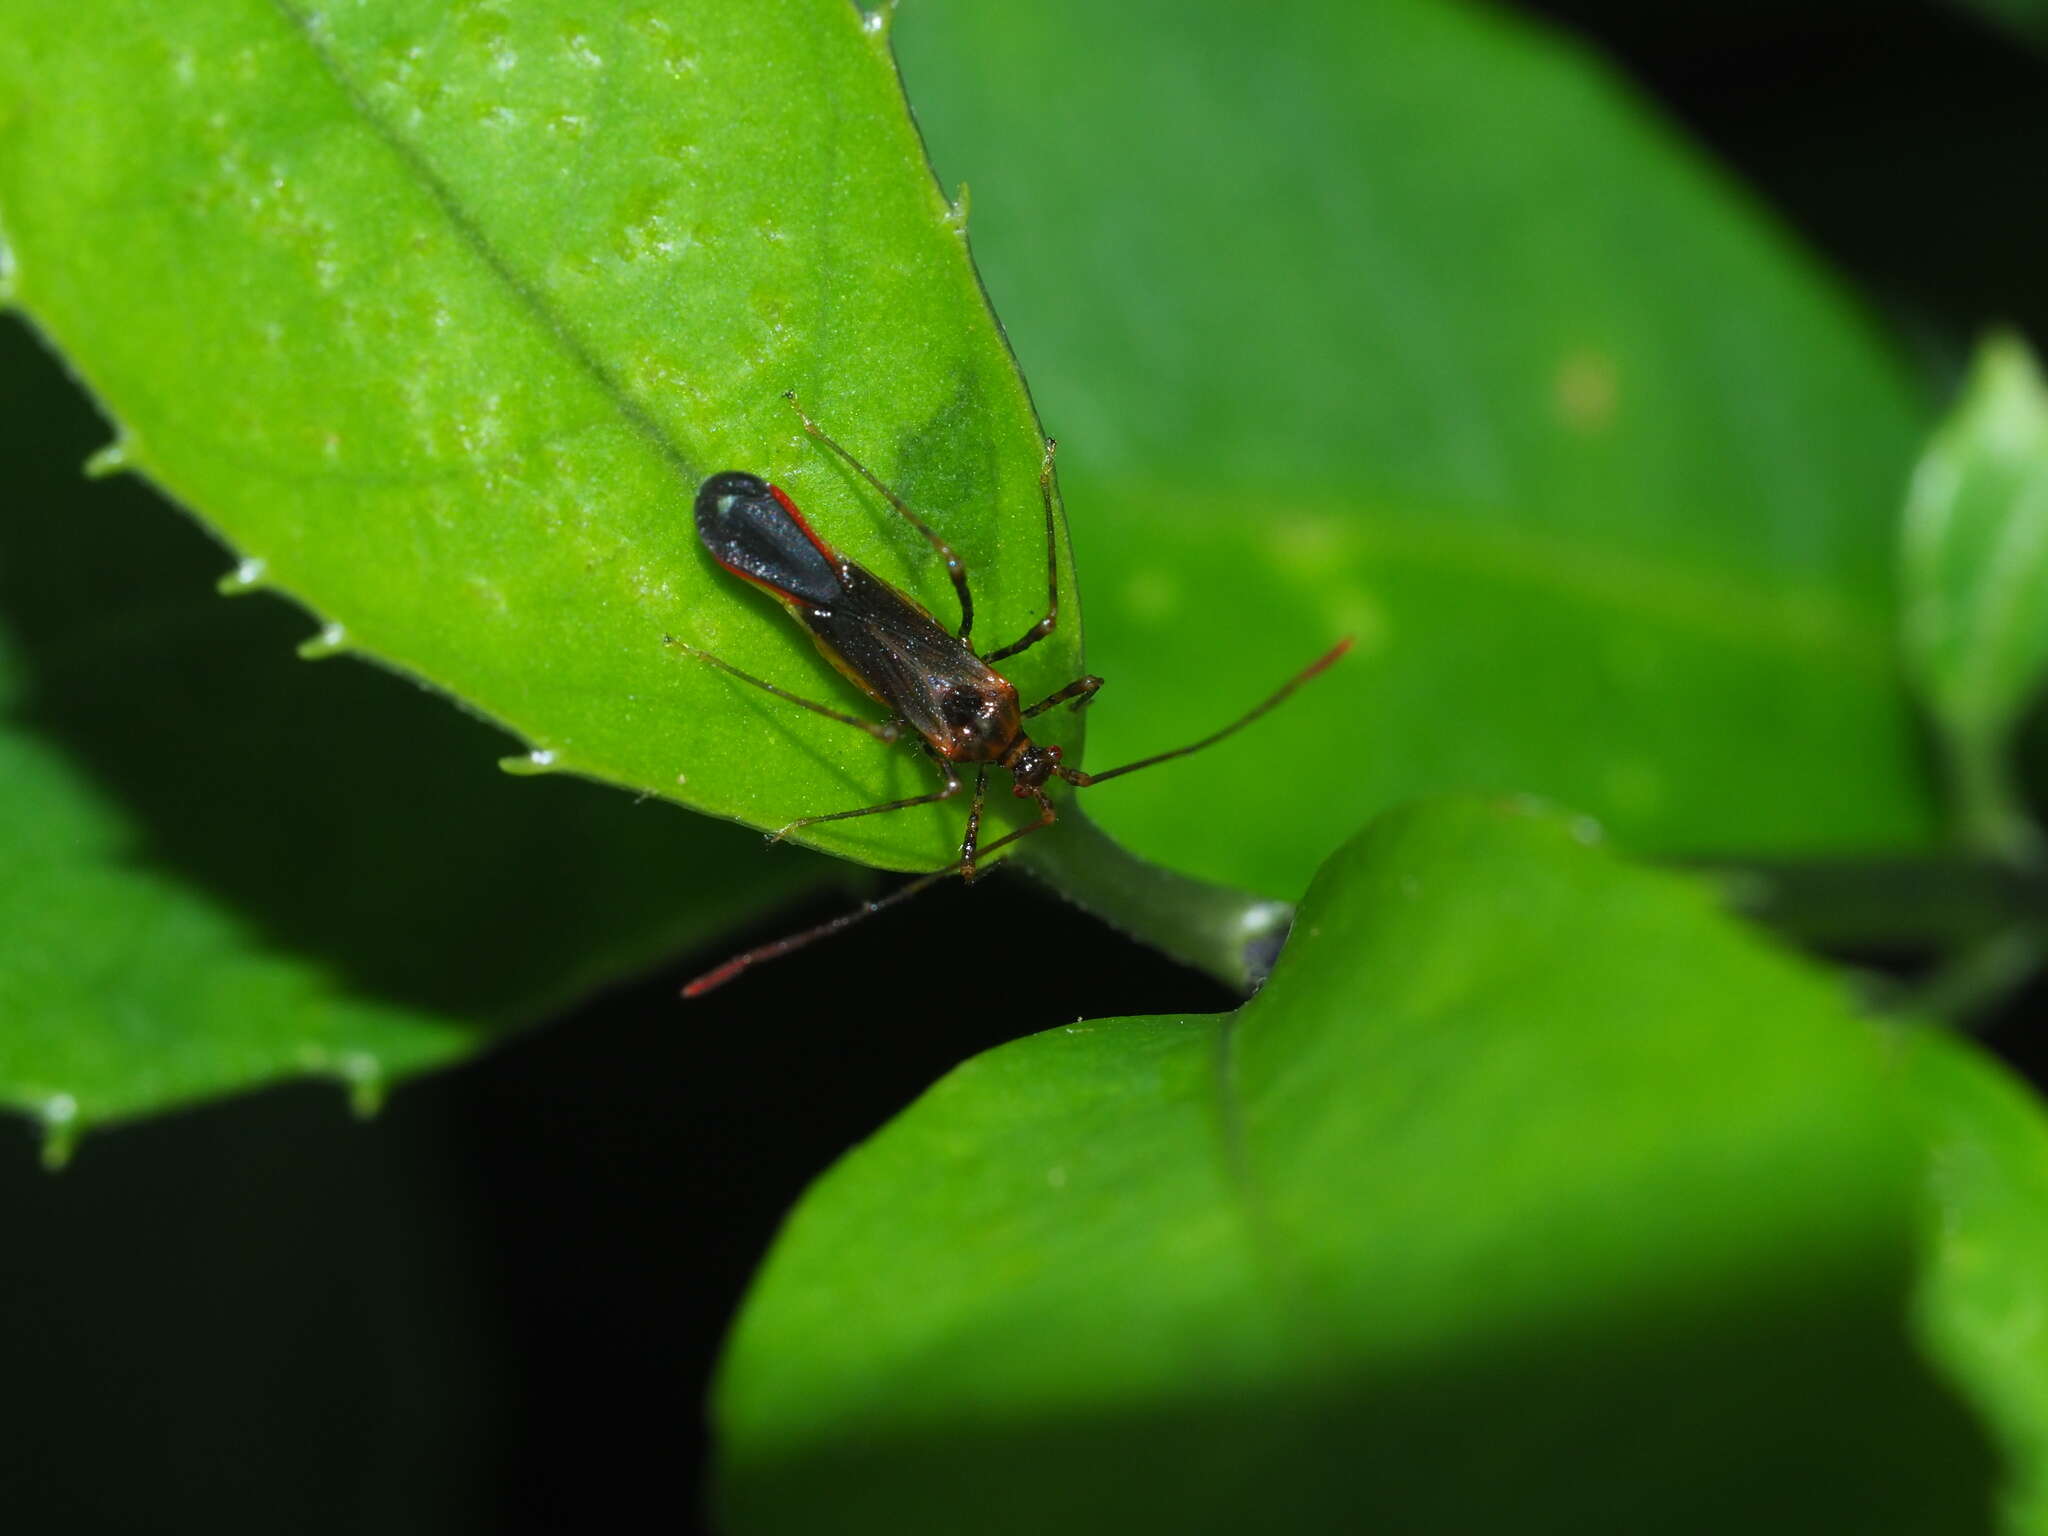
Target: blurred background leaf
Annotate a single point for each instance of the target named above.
(1982, 1306)
(1531, 1193)
(438, 314)
(1405, 320)
(225, 865)
(2026, 19)
(1975, 575)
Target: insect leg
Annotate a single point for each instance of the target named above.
(1085, 687)
(1046, 817)
(952, 788)
(1044, 626)
(954, 569)
(1076, 777)
(972, 836)
(886, 731)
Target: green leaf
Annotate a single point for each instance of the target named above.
(1984, 1308)
(1532, 1193)
(2026, 19)
(1975, 574)
(1406, 321)
(438, 314)
(224, 866)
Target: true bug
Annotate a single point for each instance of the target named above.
(934, 683)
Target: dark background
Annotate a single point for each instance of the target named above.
(496, 1306)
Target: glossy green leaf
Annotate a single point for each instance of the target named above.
(1975, 576)
(1532, 1193)
(1984, 1306)
(1405, 320)
(221, 865)
(438, 314)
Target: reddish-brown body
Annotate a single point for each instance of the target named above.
(886, 642)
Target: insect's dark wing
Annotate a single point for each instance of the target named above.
(753, 532)
(898, 653)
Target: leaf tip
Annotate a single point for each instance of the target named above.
(331, 641)
(250, 575)
(1262, 930)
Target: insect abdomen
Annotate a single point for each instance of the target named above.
(754, 533)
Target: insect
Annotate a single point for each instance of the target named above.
(933, 682)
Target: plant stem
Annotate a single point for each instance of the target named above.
(1905, 903)
(1231, 934)
(1974, 981)
(1959, 904)
(1989, 806)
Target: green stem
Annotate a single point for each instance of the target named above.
(1908, 903)
(1978, 978)
(1962, 905)
(1233, 935)
(1991, 811)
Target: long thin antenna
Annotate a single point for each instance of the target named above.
(718, 976)
(1082, 780)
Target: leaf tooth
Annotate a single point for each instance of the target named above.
(331, 641)
(8, 271)
(877, 21)
(59, 1115)
(360, 1072)
(956, 211)
(363, 1075)
(252, 574)
(539, 760)
(116, 458)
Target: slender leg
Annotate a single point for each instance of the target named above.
(972, 836)
(1086, 687)
(954, 569)
(1044, 626)
(1076, 777)
(718, 976)
(886, 731)
(952, 788)
(1046, 817)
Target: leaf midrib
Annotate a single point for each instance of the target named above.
(471, 235)
(1269, 1250)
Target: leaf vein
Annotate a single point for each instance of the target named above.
(472, 235)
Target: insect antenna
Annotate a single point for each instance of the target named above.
(719, 975)
(1082, 780)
